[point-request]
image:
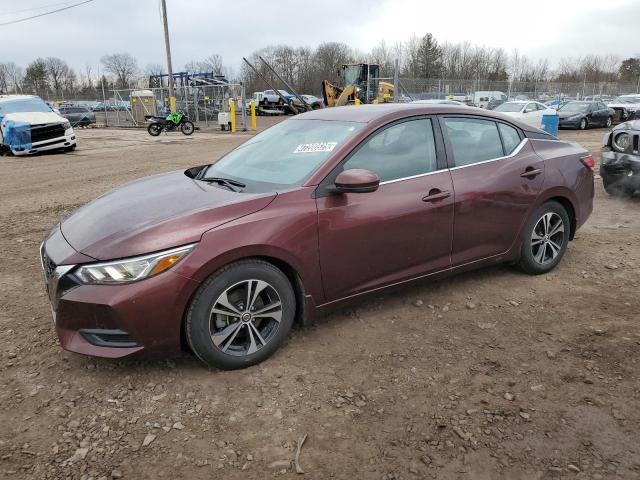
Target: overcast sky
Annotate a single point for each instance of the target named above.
(543, 28)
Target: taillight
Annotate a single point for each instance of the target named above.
(588, 161)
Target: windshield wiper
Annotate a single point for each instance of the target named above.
(227, 182)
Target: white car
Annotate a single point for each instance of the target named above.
(526, 111)
(626, 106)
(29, 125)
(444, 101)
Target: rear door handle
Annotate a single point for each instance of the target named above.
(531, 172)
(436, 195)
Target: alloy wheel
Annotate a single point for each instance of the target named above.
(245, 317)
(547, 238)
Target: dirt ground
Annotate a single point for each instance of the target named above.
(488, 375)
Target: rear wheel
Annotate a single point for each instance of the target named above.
(240, 315)
(154, 129)
(609, 122)
(187, 128)
(545, 239)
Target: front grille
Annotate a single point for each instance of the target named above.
(48, 265)
(40, 133)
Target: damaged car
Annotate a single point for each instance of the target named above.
(620, 165)
(28, 125)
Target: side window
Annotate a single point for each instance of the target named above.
(540, 106)
(399, 151)
(510, 138)
(473, 140)
(531, 107)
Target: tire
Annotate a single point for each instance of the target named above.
(609, 122)
(227, 341)
(154, 129)
(187, 128)
(70, 149)
(583, 124)
(541, 253)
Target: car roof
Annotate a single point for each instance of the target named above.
(390, 111)
(7, 98)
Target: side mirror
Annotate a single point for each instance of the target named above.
(356, 180)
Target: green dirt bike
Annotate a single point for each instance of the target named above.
(171, 122)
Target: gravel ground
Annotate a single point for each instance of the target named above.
(488, 375)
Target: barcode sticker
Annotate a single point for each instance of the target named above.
(315, 147)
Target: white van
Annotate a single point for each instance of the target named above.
(488, 99)
(29, 125)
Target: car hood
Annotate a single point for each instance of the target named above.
(622, 105)
(34, 118)
(155, 213)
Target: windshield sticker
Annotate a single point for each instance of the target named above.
(315, 147)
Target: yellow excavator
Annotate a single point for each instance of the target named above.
(362, 85)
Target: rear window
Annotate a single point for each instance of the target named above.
(473, 140)
(510, 138)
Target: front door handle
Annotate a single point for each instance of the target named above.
(531, 172)
(435, 195)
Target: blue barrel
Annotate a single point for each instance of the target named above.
(550, 123)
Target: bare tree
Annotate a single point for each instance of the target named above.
(215, 64)
(57, 69)
(153, 69)
(123, 66)
(15, 77)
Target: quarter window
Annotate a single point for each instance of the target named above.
(473, 140)
(510, 138)
(399, 151)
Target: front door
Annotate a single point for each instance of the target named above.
(400, 231)
(496, 177)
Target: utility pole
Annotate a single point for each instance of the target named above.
(172, 96)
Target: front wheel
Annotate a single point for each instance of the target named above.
(545, 239)
(187, 128)
(241, 315)
(609, 122)
(583, 124)
(154, 129)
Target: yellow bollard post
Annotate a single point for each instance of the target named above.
(172, 104)
(232, 114)
(357, 101)
(253, 115)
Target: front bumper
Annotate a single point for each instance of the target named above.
(66, 141)
(114, 321)
(565, 123)
(620, 172)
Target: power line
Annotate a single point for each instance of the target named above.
(45, 13)
(33, 9)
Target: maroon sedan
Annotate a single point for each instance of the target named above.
(321, 208)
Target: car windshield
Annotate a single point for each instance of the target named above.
(509, 107)
(23, 105)
(574, 107)
(283, 156)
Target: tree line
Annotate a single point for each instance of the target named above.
(304, 67)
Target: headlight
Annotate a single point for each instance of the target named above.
(622, 141)
(66, 125)
(131, 269)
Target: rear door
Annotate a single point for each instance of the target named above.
(496, 178)
(402, 230)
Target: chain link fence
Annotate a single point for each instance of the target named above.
(129, 108)
(421, 89)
